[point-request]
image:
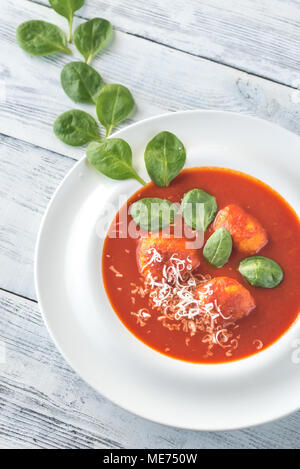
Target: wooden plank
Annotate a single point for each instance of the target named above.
(257, 36)
(160, 78)
(28, 177)
(44, 404)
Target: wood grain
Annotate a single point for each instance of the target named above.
(257, 36)
(44, 404)
(28, 177)
(160, 78)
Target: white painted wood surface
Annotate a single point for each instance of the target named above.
(160, 78)
(173, 55)
(257, 36)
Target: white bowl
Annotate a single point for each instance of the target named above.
(88, 332)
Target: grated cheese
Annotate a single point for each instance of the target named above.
(115, 271)
(173, 298)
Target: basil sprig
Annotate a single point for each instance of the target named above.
(165, 157)
(165, 154)
(113, 158)
(261, 271)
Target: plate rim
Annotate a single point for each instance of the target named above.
(42, 308)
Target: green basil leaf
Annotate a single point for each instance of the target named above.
(81, 82)
(90, 37)
(164, 158)
(218, 247)
(41, 38)
(113, 157)
(261, 271)
(114, 104)
(153, 214)
(67, 8)
(76, 128)
(199, 209)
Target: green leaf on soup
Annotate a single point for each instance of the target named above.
(261, 271)
(153, 214)
(199, 209)
(165, 156)
(218, 247)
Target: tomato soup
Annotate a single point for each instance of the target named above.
(272, 311)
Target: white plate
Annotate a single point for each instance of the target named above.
(89, 334)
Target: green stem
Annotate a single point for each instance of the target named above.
(67, 50)
(70, 29)
(138, 178)
(108, 131)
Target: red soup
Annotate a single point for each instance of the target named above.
(175, 301)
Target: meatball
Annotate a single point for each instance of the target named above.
(247, 233)
(154, 252)
(230, 299)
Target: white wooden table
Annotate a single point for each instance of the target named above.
(237, 55)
